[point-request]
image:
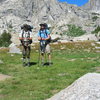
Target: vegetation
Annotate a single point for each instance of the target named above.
(95, 18)
(95, 13)
(70, 61)
(5, 39)
(96, 30)
(75, 31)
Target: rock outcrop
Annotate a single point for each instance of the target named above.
(93, 5)
(1, 62)
(4, 77)
(85, 88)
(14, 13)
(14, 49)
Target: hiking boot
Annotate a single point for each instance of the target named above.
(24, 64)
(42, 64)
(28, 64)
(50, 63)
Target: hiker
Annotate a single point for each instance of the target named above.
(44, 38)
(25, 38)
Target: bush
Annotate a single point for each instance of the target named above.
(96, 30)
(95, 18)
(75, 31)
(5, 39)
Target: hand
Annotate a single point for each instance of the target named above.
(39, 38)
(43, 39)
(29, 38)
(20, 38)
(30, 42)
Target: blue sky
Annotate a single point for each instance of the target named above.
(77, 2)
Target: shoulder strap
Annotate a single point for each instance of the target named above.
(46, 32)
(22, 33)
(40, 32)
(28, 33)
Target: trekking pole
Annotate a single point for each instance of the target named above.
(45, 57)
(44, 46)
(39, 56)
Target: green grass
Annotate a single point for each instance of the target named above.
(40, 83)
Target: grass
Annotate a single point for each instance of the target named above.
(40, 83)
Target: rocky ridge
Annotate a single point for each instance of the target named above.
(14, 13)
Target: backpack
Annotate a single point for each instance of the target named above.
(27, 36)
(49, 40)
(28, 27)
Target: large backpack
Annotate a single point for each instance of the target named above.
(29, 27)
(24, 33)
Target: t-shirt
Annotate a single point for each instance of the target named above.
(25, 35)
(44, 33)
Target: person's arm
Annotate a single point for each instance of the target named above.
(30, 36)
(48, 33)
(48, 37)
(39, 37)
(20, 35)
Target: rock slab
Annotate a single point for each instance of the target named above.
(14, 49)
(1, 62)
(85, 88)
(4, 77)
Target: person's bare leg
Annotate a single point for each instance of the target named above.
(24, 56)
(28, 55)
(42, 58)
(49, 58)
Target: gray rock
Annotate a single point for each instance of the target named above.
(4, 77)
(14, 49)
(98, 42)
(93, 5)
(14, 13)
(86, 37)
(85, 88)
(1, 62)
(97, 47)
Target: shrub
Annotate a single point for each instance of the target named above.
(75, 31)
(95, 18)
(96, 30)
(5, 39)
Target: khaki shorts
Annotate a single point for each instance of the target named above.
(47, 49)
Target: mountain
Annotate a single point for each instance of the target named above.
(93, 5)
(14, 13)
(17, 12)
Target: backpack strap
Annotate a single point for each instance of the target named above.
(28, 34)
(40, 32)
(46, 32)
(22, 33)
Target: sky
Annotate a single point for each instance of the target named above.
(77, 2)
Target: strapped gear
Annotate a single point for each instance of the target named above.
(26, 36)
(46, 41)
(28, 27)
(26, 41)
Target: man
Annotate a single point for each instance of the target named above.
(44, 38)
(26, 39)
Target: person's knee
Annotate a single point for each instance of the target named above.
(49, 54)
(42, 53)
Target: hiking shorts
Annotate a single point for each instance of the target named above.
(45, 49)
(48, 49)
